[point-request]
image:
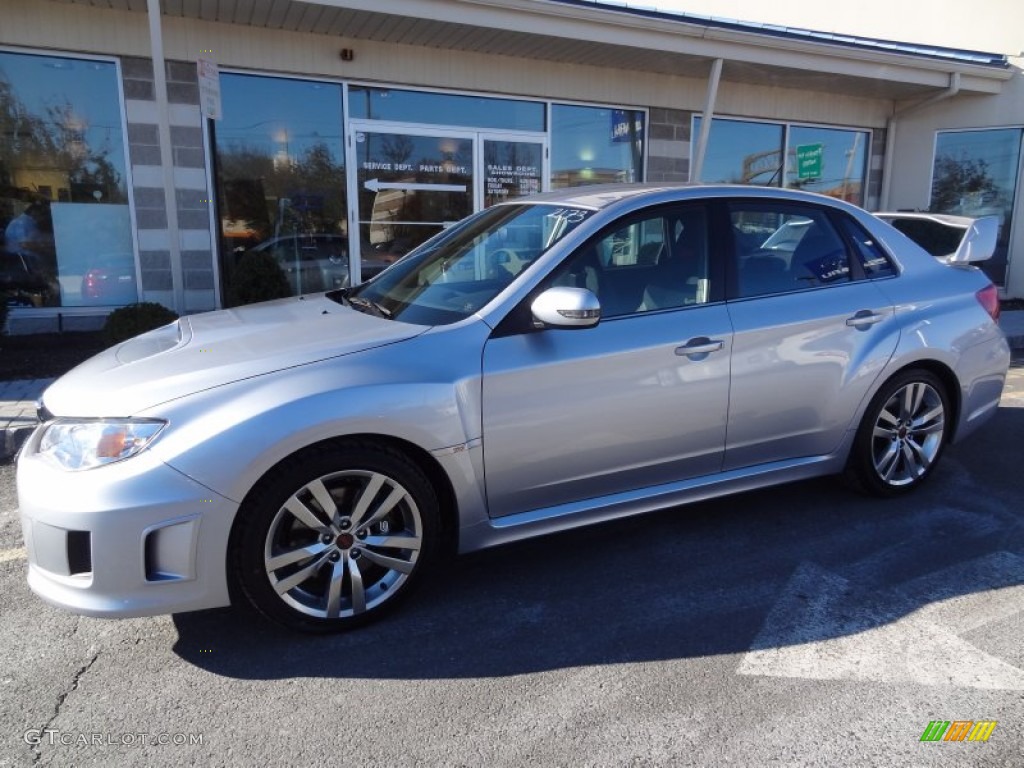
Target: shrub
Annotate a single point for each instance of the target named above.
(126, 322)
(257, 277)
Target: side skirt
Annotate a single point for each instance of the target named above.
(540, 522)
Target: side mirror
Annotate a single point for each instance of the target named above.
(566, 307)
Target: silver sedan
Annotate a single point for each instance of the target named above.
(544, 364)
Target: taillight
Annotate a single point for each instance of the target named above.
(988, 297)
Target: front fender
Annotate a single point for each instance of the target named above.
(229, 437)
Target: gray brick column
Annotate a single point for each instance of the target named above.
(190, 181)
(668, 153)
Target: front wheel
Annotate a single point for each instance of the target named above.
(335, 537)
(901, 438)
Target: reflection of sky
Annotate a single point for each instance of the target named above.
(733, 141)
(445, 109)
(276, 116)
(581, 137)
(90, 87)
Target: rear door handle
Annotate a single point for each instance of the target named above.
(699, 346)
(864, 317)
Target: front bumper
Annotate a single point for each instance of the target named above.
(135, 538)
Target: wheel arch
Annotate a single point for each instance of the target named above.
(439, 480)
(945, 375)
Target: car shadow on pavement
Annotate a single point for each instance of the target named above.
(784, 567)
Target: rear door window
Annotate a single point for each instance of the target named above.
(874, 261)
(784, 247)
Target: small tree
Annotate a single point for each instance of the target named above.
(127, 322)
(258, 277)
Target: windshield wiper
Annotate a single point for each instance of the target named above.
(358, 303)
(367, 306)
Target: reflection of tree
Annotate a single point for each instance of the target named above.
(955, 179)
(54, 143)
(397, 148)
(251, 184)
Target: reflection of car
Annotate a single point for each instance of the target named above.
(317, 455)
(786, 237)
(318, 262)
(24, 283)
(111, 280)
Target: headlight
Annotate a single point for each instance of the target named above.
(86, 444)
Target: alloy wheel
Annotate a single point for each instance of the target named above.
(908, 434)
(343, 544)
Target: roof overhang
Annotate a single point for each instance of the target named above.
(585, 33)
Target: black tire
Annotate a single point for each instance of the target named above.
(316, 569)
(902, 435)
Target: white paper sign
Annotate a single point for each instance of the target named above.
(209, 88)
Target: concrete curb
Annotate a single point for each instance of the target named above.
(18, 413)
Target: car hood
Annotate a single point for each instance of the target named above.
(216, 348)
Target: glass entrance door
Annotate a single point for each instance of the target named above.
(410, 182)
(512, 167)
(410, 185)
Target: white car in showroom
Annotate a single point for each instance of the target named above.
(544, 364)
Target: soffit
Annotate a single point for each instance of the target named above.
(585, 36)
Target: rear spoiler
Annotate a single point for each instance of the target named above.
(950, 239)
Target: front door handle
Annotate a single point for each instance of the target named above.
(700, 346)
(864, 317)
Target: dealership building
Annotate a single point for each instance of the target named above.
(147, 147)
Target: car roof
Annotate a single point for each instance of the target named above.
(601, 196)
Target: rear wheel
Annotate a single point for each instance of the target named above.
(335, 537)
(903, 434)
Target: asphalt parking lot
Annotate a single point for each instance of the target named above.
(802, 625)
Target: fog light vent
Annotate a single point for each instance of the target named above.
(169, 551)
(79, 552)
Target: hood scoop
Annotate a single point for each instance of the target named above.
(160, 340)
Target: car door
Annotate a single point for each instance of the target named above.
(812, 333)
(636, 401)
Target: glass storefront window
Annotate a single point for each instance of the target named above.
(830, 161)
(741, 152)
(63, 184)
(280, 168)
(595, 145)
(975, 174)
(444, 109)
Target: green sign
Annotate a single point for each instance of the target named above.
(808, 161)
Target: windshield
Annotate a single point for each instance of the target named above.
(458, 271)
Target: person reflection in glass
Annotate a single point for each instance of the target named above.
(29, 233)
